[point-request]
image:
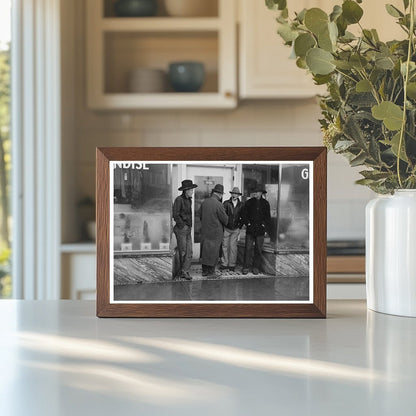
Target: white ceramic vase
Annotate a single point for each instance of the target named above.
(391, 253)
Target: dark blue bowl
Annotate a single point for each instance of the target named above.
(135, 8)
(186, 76)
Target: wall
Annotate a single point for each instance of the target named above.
(253, 123)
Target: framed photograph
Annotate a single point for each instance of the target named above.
(211, 232)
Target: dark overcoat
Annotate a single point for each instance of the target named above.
(213, 219)
(256, 216)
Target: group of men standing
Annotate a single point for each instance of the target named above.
(220, 229)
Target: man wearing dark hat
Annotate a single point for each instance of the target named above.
(256, 217)
(213, 219)
(182, 214)
(233, 207)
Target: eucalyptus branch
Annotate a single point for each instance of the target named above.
(409, 134)
(341, 48)
(392, 91)
(362, 59)
(369, 40)
(397, 95)
(406, 79)
(403, 26)
(358, 45)
(373, 88)
(346, 75)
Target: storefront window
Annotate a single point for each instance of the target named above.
(287, 191)
(142, 207)
(293, 224)
(257, 174)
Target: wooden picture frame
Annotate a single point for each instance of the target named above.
(135, 190)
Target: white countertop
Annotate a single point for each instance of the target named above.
(57, 358)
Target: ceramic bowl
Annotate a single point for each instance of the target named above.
(135, 8)
(186, 76)
(147, 80)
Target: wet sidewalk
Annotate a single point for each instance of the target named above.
(196, 273)
(230, 286)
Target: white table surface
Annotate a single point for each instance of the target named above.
(57, 358)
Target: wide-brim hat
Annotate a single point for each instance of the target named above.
(260, 188)
(235, 190)
(218, 188)
(187, 184)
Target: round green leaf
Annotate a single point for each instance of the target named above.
(344, 65)
(316, 20)
(342, 25)
(303, 43)
(394, 143)
(325, 42)
(412, 67)
(301, 15)
(333, 32)
(358, 61)
(363, 86)
(336, 12)
(322, 79)
(393, 11)
(287, 33)
(384, 62)
(411, 90)
(375, 35)
(368, 37)
(276, 4)
(391, 114)
(319, 61)
(348, 37)
(301, 63)
(351, 11)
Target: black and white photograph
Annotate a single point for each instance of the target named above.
(211, 232)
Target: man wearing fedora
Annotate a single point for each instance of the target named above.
(233, 207)
(182, 214)
(213, 219)
(256, 217)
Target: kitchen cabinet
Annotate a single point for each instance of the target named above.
(346, 277)
(265, 70)
(118, 45)
(265, 67)
(78, 281)
(346, 269)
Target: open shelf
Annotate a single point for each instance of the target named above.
(160, 24)
(127, 51)
(116, 46)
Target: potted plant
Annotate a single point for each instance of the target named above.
(368, 116)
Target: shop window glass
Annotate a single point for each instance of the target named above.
(142, 208)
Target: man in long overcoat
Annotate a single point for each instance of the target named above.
(213, 220)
